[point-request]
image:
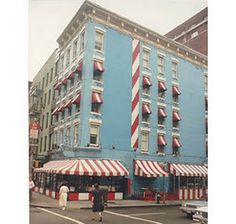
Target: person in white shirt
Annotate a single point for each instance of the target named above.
(63, 196)
(31, 187)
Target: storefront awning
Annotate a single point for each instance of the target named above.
(146, 109)
(145, 168)
(161, 112)
(146, 81)
(85, 167)
(96, 97)
(98, 66)
(175, 90)
(188, 170)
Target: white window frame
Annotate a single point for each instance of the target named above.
(99, 42)
(95, 133)
(144, 144)
(146, 61)
(68, 135)
(61, 136)
(55, 138)
(62, 58)
(68, 52)
(174, 69)
(82, 41)
(161, 64)
(76, 134)
(74, 50)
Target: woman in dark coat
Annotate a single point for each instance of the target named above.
(98, 202)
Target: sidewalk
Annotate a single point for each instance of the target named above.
(40, 200)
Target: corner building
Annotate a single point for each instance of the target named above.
(129, 114)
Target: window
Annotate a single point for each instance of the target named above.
(47, 120)
(49, 97)
(68, 136)
(68, 57)
(194, 34)
(96, 108)
(77, 108)
(146, 58)
(62, 115)
(144, 141)
(62, 63)
(98, 70)
(45, 143)
(55, 138)
(61, 136)
(72, 81)
(51, 75)
(47, 78)
(161, 89)
(42, 124)
(99, 40)
(160, 64)
(176, 124)
(174, 70)
(43, 83)
(146, 85)
(94, 135)
(146, 112)
(82, 41)
(76, 134)
(161, 120)
(74, 54)
(44, 101)
(161, 149)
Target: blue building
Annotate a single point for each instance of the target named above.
(129, 111)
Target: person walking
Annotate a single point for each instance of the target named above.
(31, 187)
(63, 195)
(97, 202)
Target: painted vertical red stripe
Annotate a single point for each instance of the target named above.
(135, 52)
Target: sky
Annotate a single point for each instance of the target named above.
(48, 18)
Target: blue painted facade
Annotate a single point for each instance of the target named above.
(115, 118)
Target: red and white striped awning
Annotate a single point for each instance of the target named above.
(175, 90)
(146, 81)
(146, 109)
(68, 103)
(85, 167)
(161, 112)
(147, 168)
(58, 85)
(55, 111)
(161, 86)
(61, 108)
(176, 142)
(96, 97)
(161, 140)
(176, 116)
(188, 170)
(64, 81)
(98, 66)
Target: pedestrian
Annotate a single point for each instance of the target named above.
(97, 202)
(31, 187)
(63, 195)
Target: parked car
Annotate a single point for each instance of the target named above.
(201, 215)
(189, 207)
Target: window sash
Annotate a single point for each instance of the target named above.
(144, 143)
(75, 49)
(174, 69)
(76, 133)
(160, 64)
(146, 58)
(99, 41)
(68, 135)
(82, 39)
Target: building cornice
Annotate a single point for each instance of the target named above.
(107, 18)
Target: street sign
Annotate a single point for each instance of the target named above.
(34, 130)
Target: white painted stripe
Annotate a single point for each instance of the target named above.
(135, 65)
(135, 89)
(135, 113)
(61, 216)
(134, 136)
(134, 43)
(131, 217)
(150, 213)
(90, 171)
(114, 171)
(104, 169)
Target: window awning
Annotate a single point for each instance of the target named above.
(176, 142)
(161, 86)
(146, 81)
(55, 111)
(61, 108)
(85, 167)
(64, 81)
(175, 90)
(98, 66)
(161, 112)
(161, 140)
(77, 70)
(76, 100)
(188, 170)
(58, 85)
(147, 168)
(96, 98)
(176, 116)
(68, 103)
(146, 109)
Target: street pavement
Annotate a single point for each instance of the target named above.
(44, 209)
(137, 215)
(40, 200)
